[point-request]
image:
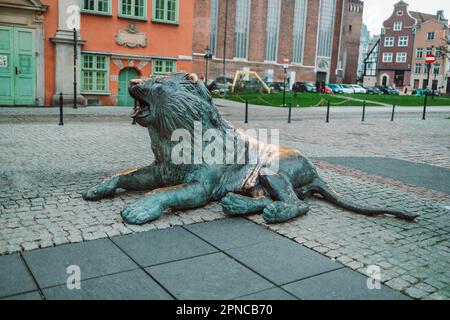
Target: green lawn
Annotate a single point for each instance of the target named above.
(314, 100)
(403, 100)
(300, 100)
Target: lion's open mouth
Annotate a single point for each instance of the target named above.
(140, 107)
(137, 91)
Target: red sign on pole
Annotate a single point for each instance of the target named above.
(430, 58)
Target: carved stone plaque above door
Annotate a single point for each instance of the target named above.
(131, 37)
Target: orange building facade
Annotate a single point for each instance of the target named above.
(116, 40)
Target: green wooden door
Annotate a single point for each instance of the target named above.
(6, 66)
(125, 75)
(25, 67)
(17, 66)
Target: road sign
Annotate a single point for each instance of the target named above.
(285, 63)
(430, 58)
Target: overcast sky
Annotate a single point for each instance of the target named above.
(376, 11)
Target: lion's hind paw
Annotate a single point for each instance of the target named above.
(280, 211)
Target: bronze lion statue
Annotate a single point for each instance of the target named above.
(167, 103)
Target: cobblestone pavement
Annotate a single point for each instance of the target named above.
(44, 167)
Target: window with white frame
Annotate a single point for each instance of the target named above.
(426, 67)
(327, 13)
(272, 29)
(401, 57)
(298, 32)
(403, 41)
(241, 29)
(418, 68)
(389, 41)
(397, 26)
(437, 53)
(419, 53)
(400, 13)
(429, 50)
(387, 57)
(437, 68)
(214, 22)
(430, 36)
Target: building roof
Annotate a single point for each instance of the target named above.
(422, 17)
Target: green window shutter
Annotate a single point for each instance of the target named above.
(161, 66)
(102, 7)
(165, 11)
(94, 74)
(133, 9)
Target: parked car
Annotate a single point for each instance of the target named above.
(358, 89)
(388, 90)
(346, 88)
(424, 92)
(304, 87)
(373, 90)
(276, 86)
(335, 87)
(221, 84)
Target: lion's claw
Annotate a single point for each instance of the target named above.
(279, 211)
(141, 211)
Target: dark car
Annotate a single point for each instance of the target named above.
(373, 90)
(388, 90)
(276, 86)
(304, 87)
(335, 87)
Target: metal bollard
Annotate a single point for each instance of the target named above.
(135, 106)
(364, 111)
(424, 107)
(61, 116)
(290, 112)
(246, 111)
(328, 111)
(393, 112)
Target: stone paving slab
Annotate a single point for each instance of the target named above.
(231, 233)
(156, 247)
(270, 294)
(282, 260)
(214, 276)
(419, 174)
(94, 258)
(342, 284)
(14, 276)
(25, 296)
(130, 285)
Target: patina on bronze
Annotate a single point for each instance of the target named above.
(174, 101)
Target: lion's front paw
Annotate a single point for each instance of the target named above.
(103, 190)
(279, 211)
(141, 211)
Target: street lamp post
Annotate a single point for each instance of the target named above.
(225, 39)
(208, 55)
(75, 68)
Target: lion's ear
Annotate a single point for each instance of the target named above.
(192, 77)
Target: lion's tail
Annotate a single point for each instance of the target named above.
(318, 186)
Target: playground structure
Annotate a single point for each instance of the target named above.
(240, 74)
